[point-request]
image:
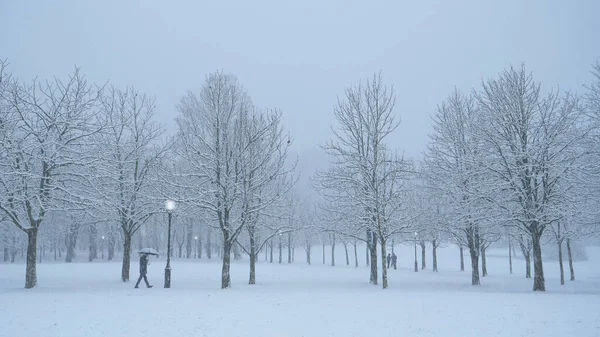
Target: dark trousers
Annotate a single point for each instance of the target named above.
(145, 280)
(394, 264)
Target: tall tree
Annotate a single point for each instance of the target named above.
(132, 154)
(452, 172)
(365, 174)
(43, 129)
(234, 155)
(533, 140)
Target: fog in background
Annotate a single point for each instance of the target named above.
(299, 56)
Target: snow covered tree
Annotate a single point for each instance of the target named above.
(451, 171)
(235, 156)
(43, 129)
(533, 141)
(265, 180)
(366, 176)
(131, 157)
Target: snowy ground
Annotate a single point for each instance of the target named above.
(87, 299)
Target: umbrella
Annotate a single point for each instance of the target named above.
(148, 250)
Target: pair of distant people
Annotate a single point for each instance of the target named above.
(392, 258)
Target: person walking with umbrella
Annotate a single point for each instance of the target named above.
(144, 267)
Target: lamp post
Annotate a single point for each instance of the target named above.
(196, 247)
(169, 206)
(416, 265)
(102, 247)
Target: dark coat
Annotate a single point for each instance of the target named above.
(143, 264)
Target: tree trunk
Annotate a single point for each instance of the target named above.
(59, 247)
(208, 243)
(474, 267)
(271, 251)
(346, 250)
(7, 254)
(423, 263)
(126, 256)
(367, 254)
(560, 263)
(526, 251)
(225, 276)
(70, 253)
(308, 254)
(93, 246)
(30, 271)
(373, 255)
(434, 254)
(528, 265)
(510, 256)
(473, 241)
(71, 242)
(483, 262)
(189, 240)
(199, 248)
(384, 280)
(570, 260)
(267, 253)
(462, 259)
(280, 250)
(180, 252)
(333, 252)
(289, 247)
(539, 283)
(112, 240)
(355, 256)
(323, 252)
(252, 261)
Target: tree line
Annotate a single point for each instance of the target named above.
(87, 155)
(508, 162)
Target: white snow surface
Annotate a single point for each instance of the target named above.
(88, 299)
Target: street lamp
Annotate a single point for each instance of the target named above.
(102, 247)
(169, 206)
(416, 265)
(196, 249)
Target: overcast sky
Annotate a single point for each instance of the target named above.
(298, 56)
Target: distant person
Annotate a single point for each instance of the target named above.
(143, 271)
(394, 259)
(388, 260)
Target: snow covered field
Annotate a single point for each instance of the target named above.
(88, 299)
